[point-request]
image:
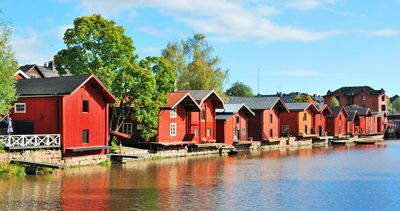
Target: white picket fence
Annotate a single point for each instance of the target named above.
(30, 141)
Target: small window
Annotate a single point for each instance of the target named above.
(270, 118)
(127, 128)
(208, 131)
(363, 98)
(172, 129)
(85, 106)
(139, 127)
(271, 133)
(33, 76)
(196, 132)
(243, 131)
(305, 117)
(172, 113)
(85, 136)
(383, 97)
(340, 117)
(305, 129)
(237, 120)
(19, 108)
(203, 114)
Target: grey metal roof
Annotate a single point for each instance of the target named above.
(297, 106)
(362, 110)
(223, 116)
(335, 112)
(352, 115)
(234, 108)
(255, 103)
(50, 86)
(47, 73)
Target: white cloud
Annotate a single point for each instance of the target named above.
(385, 32)
(223, 20)
(308, 4)
(61, 30)
(27, 47)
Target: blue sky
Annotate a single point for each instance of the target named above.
(298, 45)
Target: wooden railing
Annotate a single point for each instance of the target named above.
(35, 141)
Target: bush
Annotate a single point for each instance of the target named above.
(9, 170)
(2, 148)
(105, 163)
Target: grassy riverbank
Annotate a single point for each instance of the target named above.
(11, 170)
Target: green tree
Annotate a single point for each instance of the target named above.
(302, 98)
(8, 66)
(334, 102)
(239, 89)
(196, 66)
(394, 105)
(98, 46)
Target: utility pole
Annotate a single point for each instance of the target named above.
(258, 81)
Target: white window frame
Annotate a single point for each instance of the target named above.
(363, 98)
(33, 76)
(173, 113)
(17, 111)
(208, 132)
(243, 131)
(172, 129)
(125, 130)
(196, 131)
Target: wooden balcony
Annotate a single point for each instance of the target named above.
(34, 141)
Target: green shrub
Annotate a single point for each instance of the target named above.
(105, 163)
(114, 146)
(9, 170)
(2, 148)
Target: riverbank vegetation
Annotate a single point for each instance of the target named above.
(10, 170)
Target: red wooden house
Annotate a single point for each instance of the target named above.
(353, 122)
(320, 119)
(265, 124)
(366, 118)
(204, 123)
(336, 123)
(76, 107)
(299, 120)
(174, 124)
(232, 123)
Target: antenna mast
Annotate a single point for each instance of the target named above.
(258, 81)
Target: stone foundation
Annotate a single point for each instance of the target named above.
(46, 156)
(83, 160)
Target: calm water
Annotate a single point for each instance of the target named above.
(340, 178)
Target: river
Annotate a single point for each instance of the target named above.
(320, 178)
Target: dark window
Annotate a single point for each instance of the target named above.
(237, 120)
(85, 136)
(305, 117)
(270, 118)
(203, 114)
(270, 133)
(338, 98)
(305, 129)
(383, 97)
(340, 117)
(383, 107)
(85, 106)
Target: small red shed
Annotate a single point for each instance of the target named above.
(265, 124)
(232, 123)
(204, 123)
(337, 121)
(76, 107)
(353, 122)
(366, 118)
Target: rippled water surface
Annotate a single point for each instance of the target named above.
(329, 178)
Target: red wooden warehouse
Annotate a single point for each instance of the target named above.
(232, 123)
(320, 119)
(264, 126)
(337, 122)
(300, 119)
(174, 124)
(204, 123)
(76, 107)
(366, 120)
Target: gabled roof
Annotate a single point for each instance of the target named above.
(201, 95)
(259, 103)
(224, 116)
(21, 73)
(302, 107)
(352, 115)
(45, 72)
(323, 108)
(361, 110)
(174, 98)
(235, 108)
(354, 90)
(336, 110)
(59, 86)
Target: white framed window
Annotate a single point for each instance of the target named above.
(363, 98)
(33, 76)
(20, 108)
(208, 131)
(172, 113)
(127, 128)
(196, 131)
(243, 131)
(172, 129)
